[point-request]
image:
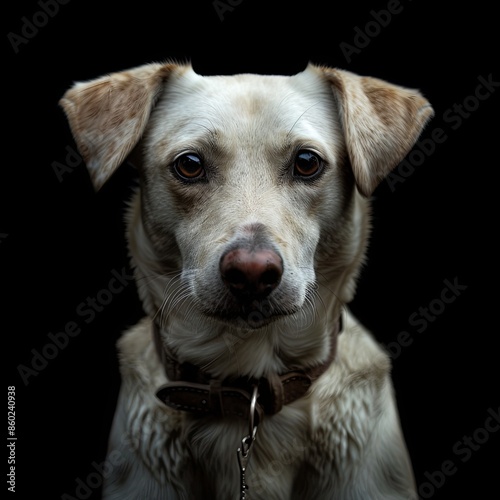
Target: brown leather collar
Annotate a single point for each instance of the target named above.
(193, 390)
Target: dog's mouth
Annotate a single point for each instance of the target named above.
(255, 314)
(252, 313)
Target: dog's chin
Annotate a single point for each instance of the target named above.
(241, 323)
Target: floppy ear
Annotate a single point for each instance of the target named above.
(381, 122)
(108, 115)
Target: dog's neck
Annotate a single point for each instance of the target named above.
(176, 370)
(224, 351)
(193, 390)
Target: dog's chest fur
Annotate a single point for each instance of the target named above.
(322, 435)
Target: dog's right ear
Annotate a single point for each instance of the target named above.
(381, 122)
(108, 115)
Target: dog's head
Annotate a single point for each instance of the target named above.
(251, 223)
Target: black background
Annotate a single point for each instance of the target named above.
(60, 240)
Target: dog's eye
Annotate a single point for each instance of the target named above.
(189, 167)
(307, 164)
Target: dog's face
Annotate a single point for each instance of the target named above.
(244, 174)
(252, 213)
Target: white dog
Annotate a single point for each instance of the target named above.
(249, 378)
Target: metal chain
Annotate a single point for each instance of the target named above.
(243, 451)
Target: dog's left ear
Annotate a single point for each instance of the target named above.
(381, 122)
(108, 115)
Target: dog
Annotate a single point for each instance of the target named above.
(249, 377)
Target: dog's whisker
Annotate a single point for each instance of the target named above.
(301, 115)
(342, 304)
(178, 293)
(323, 282)
(308, 313)
(174, 282)
(143, 282)
(171, 300)
(180, 297)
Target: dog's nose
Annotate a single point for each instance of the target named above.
(251, 274)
